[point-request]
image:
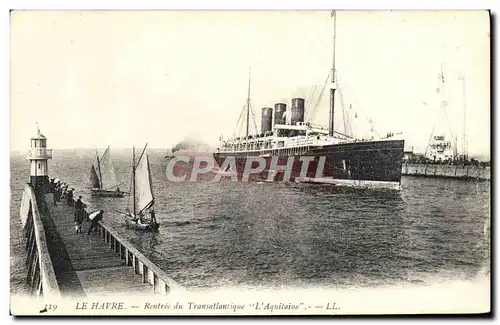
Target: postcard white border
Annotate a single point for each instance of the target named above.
(186, 4)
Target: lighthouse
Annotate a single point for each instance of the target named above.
(39, 158)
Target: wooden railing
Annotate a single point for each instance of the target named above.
(161, 282)
(40, 271)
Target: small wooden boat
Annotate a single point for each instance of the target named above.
(106, 193)
(142, 217)
(140, 224)
(103, 180)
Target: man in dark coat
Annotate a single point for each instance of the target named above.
(54, 195)
(79, 214)
(69, 197)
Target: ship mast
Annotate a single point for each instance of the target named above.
(99, 167)
(444, 104)
(332, 88)
(464, 140)
(248, 102)
(133, 177)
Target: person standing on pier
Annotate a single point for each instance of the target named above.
(59, 192)
(54, 195)
(79, 214)
(69, 197)
(64, 189)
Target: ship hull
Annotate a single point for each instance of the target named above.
(359, 164)
(105, 193)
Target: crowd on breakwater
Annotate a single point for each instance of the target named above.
(456, 162)
(61, 191)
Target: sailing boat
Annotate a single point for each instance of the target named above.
(103, 177)
(142, 216)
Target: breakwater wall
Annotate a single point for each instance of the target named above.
(447, 171)
(40, 275)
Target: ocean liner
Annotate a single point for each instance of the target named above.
(312, 153)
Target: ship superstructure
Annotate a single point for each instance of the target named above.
(440, 149)
(443, 142)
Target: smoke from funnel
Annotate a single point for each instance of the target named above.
(191, 147)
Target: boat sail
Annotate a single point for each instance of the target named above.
(103, 179)
(94, 179)
(142, 199)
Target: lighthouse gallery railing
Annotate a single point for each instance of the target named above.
(43, 153)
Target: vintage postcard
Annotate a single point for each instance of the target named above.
(328, 162)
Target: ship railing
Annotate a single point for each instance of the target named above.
(304, 141)
(41, 276)
(161, 282)
(317, 126)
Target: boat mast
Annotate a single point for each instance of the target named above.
(444, 104)
(142, 153)
(99, 168)
(150, 182)
(248, 101)
(464, 140)
(332, 88)
(133, 177)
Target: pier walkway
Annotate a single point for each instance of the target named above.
(87, 265)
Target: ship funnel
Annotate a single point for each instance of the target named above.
(266, 121)
(279, 113)
(297, 110)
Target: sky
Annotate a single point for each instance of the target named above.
(98, 78)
